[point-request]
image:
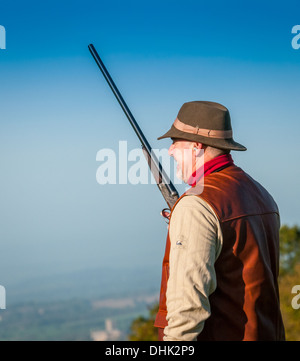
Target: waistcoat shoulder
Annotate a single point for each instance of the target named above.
(232, 193)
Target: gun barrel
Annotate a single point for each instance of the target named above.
(164, 178)
(120, 99)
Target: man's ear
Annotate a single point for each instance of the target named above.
(198, 146)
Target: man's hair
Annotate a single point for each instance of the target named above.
(215, 152)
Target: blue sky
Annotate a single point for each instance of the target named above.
(57, 112)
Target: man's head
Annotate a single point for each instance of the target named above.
(201, 132)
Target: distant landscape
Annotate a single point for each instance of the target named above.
(97, 304)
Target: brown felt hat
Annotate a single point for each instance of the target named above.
(204, 122)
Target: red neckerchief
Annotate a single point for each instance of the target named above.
(222, 161)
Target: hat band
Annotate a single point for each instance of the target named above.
(219, 134)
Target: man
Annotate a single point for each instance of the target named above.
(220, 269)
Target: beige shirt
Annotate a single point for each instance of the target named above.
(196, 242)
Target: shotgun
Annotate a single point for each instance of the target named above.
(163, 182)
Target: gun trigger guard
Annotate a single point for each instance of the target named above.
(166, 214)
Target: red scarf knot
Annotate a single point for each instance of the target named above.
(222, 161)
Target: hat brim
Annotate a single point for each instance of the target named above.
(228, 144)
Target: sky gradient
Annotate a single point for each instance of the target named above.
(57, 112)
